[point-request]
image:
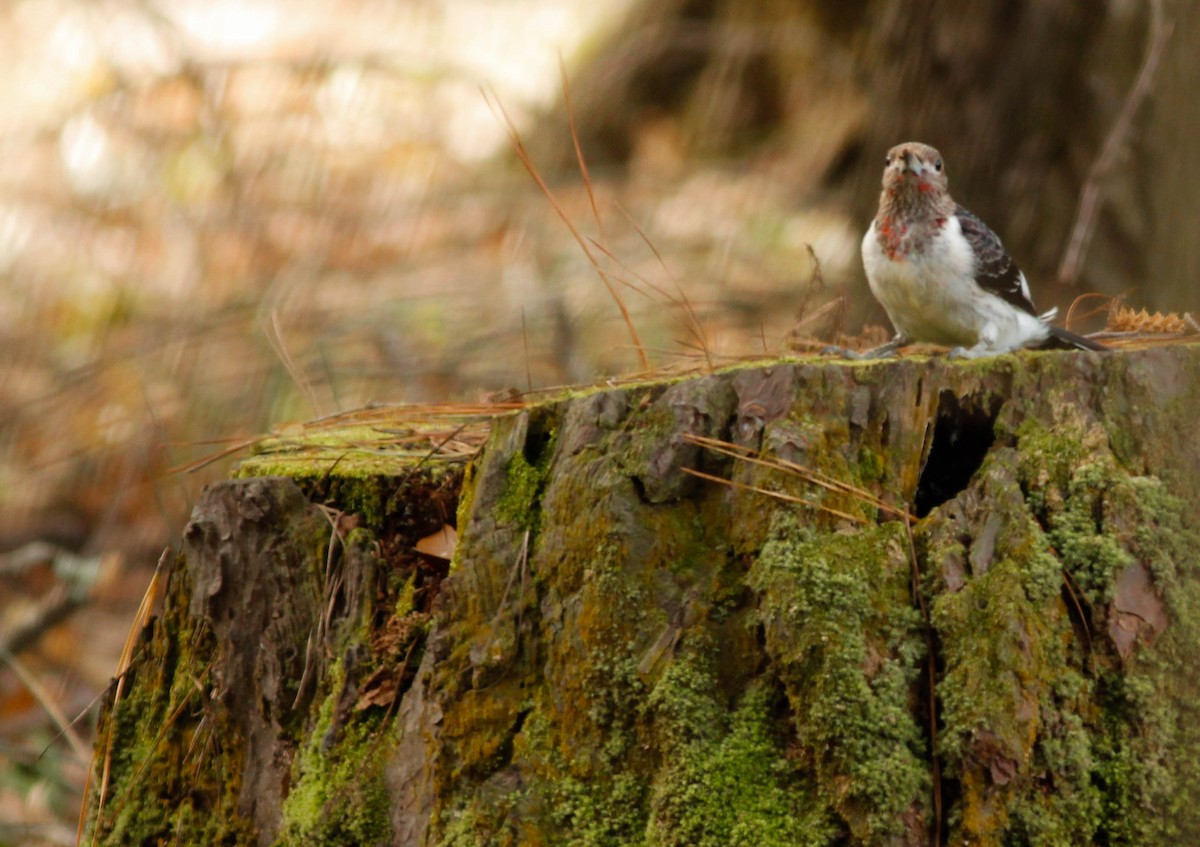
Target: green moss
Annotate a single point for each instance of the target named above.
(1009, 706)
(357, 469)
(1158, 696)
(1047, 459)
(872, 465)
(580, 747)
(522, 489)
(351, 451)
(174, 778)
(339, 794)
(848, 646)
(404, 598)
(726, 779)
(466, 493)
(1053, 737)
(599, 813)
(1088, 549)
(524, 483)
(602, 686)
(1016, 702)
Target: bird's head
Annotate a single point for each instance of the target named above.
(913, 166)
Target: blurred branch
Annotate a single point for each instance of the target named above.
(34, 687)
(74, 574)
(1114, 146)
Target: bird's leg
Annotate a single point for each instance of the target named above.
(883, 351)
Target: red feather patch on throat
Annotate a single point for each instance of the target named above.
(892, 233)
(890, 236)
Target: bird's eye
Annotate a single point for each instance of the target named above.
(887, 160)
(937, 166)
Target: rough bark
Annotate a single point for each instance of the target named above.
(624, 653)
(1165, 167)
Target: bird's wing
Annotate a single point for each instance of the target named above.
(995, 271)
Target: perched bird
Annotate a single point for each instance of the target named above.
(941, 274)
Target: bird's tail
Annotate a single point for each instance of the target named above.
(1062, 339)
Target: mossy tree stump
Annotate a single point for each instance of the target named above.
(624, 653)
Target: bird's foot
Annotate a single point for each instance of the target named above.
(840, 352)
(975, 352)
(883, 351)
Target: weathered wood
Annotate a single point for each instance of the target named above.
(626, 653)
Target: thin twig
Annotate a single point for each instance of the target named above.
(583, 168)
(518, 567)
(930, 676)
(192, 467)
(1069, 321)
(825, 481)
(121, 799)
(523, 155)
(34, 687)
(692, 324)
(697, 328)
(140, 620)
(1069, 584)
(281, 350)
(1114, 145)
(778, 495)
(525, 343)
(816, 282)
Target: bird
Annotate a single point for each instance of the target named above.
(942, 275)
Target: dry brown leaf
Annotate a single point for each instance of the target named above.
(379, 689)
(440, 544)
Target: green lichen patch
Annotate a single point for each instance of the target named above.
(339, 793)
(525, 470)
(1005, 648)
(627, 655)
(1067, 720)
(375, 472)
(568, 720)
(524, 486)
(174, 760)
(847, 642)
(404, 499)
(349, 449)
(726, 778)
(604, 812)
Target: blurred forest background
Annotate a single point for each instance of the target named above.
(221, 216)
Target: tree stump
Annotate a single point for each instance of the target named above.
(799, 602)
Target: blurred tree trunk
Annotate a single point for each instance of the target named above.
(1172, 164)
(623, 653)
(1019, 96)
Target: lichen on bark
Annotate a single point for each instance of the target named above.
(626, 654)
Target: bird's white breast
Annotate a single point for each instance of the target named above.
(929, 291)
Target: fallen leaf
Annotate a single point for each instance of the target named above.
(380, 689)
(440, 544)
